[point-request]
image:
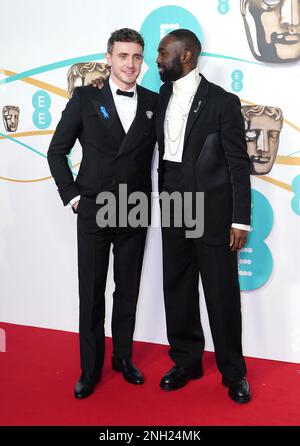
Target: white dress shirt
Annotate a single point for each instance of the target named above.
(184, 90)
(126, 109)
(126, 106)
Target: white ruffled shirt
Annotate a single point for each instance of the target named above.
(184, 90)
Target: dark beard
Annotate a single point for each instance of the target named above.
(173, 73)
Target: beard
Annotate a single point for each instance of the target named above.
(173, 72)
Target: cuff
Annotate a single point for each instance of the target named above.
(240, 226)
(71, 202)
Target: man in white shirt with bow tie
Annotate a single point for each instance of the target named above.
(116, 129)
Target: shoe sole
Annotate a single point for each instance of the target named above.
(240, 400)
(82, 397)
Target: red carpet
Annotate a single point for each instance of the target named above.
(39, 369)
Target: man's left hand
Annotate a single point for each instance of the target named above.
(238, 238)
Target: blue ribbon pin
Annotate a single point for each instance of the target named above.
(104, 112)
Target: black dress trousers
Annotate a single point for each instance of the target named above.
(183, 259)
(94, 245)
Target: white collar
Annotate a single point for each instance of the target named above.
(114, 87)
(188, 83)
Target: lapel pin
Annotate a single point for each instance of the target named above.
(149, 114)
(198, 106)
(104, 112)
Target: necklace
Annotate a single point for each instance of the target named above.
(176, 138)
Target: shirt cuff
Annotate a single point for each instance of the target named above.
(74, 200)
(240, 226)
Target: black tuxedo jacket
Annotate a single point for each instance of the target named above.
(109, 156)
(215, 159)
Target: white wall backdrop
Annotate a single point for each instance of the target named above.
(39, 41)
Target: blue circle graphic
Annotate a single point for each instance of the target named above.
(255, 260)
(159, 23)
(295, 203)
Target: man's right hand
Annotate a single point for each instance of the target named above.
(98, 82)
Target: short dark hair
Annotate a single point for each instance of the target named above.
(190, 39)
(124, 35)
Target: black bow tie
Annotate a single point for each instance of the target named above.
(129, 94)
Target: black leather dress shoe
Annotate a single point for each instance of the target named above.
(130, 373)
(85, 386)
(238, 391)
(178, 377)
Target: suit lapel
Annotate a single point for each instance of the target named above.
(163, 104)
(197, 107)
(106, 110)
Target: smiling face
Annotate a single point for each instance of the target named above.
(170, 52)
(262, 137)
(273, 29)
(125, 61)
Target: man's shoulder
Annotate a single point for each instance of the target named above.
(220, 94)
(86, 91)
(147, 93)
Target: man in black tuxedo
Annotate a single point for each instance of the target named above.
(116, 129)
(202, 148)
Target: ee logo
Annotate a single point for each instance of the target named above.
(223, 6)
(41, 102)
(237, 80)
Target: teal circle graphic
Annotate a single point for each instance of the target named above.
(223, 6)
(41, 100)
(237, 75)
(255, 260)
(160, 22)
(296, 198)
(237, 86)
(41, 119)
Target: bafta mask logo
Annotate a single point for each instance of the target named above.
(83, 73)
(273, 29)
(10, 114)
(263, 125)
